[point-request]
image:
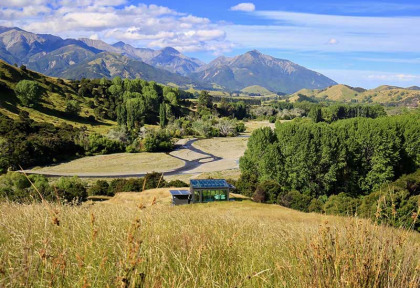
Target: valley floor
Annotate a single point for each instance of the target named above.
(139, 238)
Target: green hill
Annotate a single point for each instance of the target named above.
(51, 109)
(257, 90)
(387, 95)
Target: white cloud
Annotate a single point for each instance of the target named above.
(158, 26)
(333, 41)
(94, 37)
(245, 7)
(114, 20)
(371, 79)
(310, 32)
(395, 77)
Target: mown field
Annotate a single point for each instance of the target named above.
(118, 164)
(139, 240)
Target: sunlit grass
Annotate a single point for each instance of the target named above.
(117, 164)
(240, 244)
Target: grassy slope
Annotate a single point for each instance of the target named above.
(342, 93)
(53, 103)
(240, 244)
(257, 90)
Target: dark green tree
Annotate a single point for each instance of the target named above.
(162, 115)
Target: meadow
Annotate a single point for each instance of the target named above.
(118, 164)
(139, 240)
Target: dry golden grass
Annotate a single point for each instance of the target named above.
(116, 164)
(226, 147)
(230, 244)
(253, 125)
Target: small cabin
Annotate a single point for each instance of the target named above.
(209, 190)
(202, 191)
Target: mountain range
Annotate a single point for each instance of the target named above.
(78, 58)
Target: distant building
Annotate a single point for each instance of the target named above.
(180, 197)
(202, 191)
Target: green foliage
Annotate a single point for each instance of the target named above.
(101, 187)
(295, 200)
(73, 107)
(177, 184)
(28, 92)
(396, 203)
(15, 186)
(98, 144)
(162, 115)
(354, 156)
(150, 181)
(341, 204)
(205, 103)
(157, 141)
(25, 142)
(267, 192)
(71, 189)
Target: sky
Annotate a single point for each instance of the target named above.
(358, 43)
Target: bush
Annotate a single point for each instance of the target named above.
(316, 205)
(125, 185)
(101, 187)
(99, 144)
(73, 107)
(28, 92)
(341, 204)
(154, 180)
(240, 127)
(71, 189)
(267, 192)
(295, 200)
(158, 141)
(177, 183)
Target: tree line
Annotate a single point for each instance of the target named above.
(306, 160)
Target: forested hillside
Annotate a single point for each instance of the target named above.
(310, 161)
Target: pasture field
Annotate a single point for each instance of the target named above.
(230, 148)
(127, 243)
(254, 125)
(118, 164)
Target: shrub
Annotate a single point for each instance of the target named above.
(158, 141)
(99, 144)
(316, 205)
(101, 187)
(73, 107)
(71, 189)
(125, 185)
(295, 200)
(341, 204)
(267, 192)
(177, 183)
(240, 127)
(154, 180)
(28, 92)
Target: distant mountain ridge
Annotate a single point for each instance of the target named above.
(71, 58)
(255, 68)
(167, 58)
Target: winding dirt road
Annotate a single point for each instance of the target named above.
(200, 159)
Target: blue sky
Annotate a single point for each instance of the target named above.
(359, 43)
